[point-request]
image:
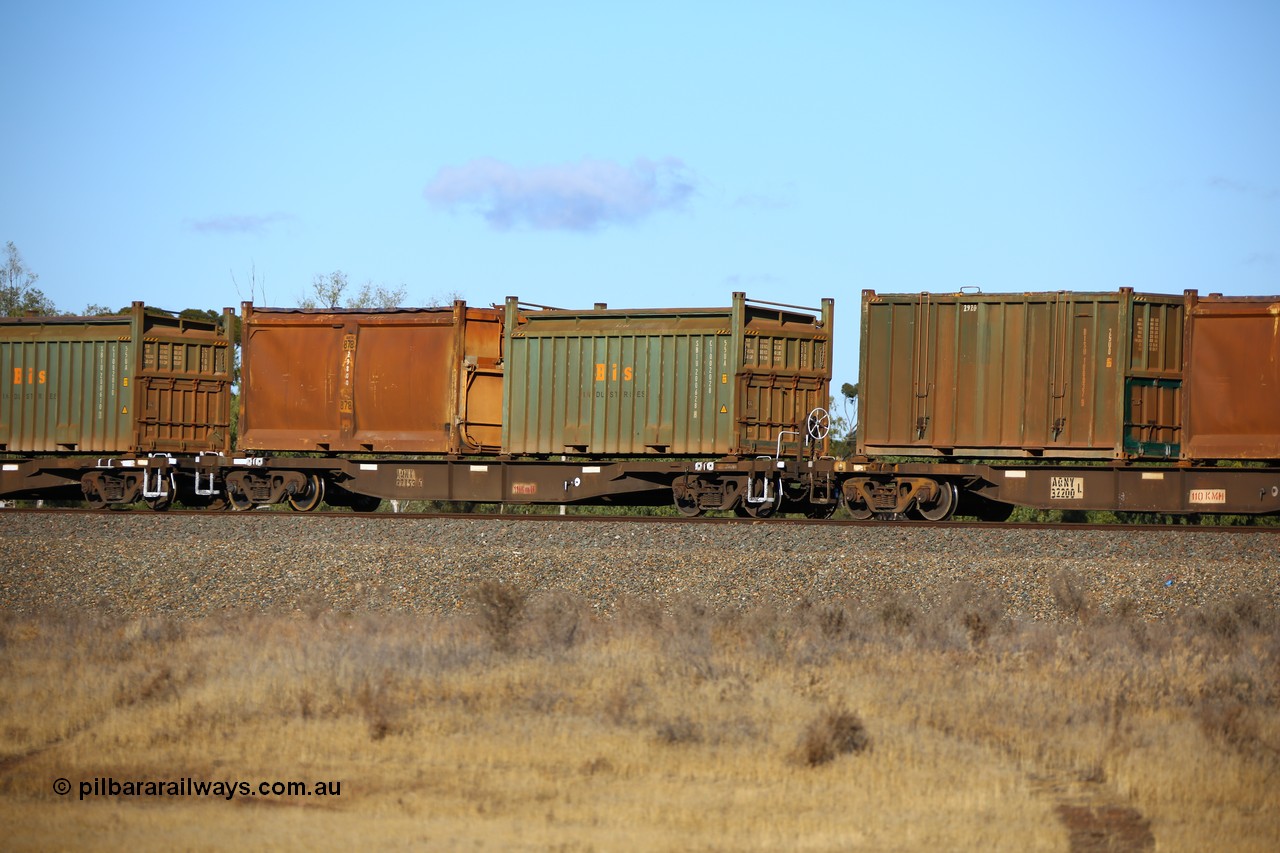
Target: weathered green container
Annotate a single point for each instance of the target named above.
(671, 382)
(1063, 374)
(124, 383)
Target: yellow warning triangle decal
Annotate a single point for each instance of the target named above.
(724, 410)
(125, 410)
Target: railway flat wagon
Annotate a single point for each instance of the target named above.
(1233, 377)
(740, 380)
(1048, 375)
(407, 380)
(141, 382)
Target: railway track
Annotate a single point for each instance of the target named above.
(206, 563)
(775, 521)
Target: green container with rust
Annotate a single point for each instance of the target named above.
(1051, 374)
(727, 381)
(126, 383)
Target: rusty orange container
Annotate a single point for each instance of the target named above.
(1233, 377)
(126, 383)
(409, 380)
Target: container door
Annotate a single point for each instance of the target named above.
(895, 408)
(399, 392)
(479, 382)
(180, 395)
(783, 375)
(1233, 378)
(1153, 386)
(1093, 419)
(924, 369)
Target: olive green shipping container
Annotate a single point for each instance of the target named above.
(1062, 374)
(126, 383)
(671, 382)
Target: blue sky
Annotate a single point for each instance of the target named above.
(640, 153)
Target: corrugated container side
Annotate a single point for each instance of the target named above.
(401, 380)
(1233, 377)
(701, 381)
(137, 382)
(613, 382)
(1030, 374)
(67, 395)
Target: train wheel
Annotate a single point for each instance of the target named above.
(164, 500)
(208, 503)
(684, 494)
(92, 487)
(859, 510)
(820, 511)
(943, 504)
(239, 501)
(309, 499)
(688, 507)
(764, 510)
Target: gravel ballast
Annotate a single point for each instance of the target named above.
(138, 563)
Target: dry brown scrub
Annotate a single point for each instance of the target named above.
(532, 723)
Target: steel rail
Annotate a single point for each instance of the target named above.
(663, 520)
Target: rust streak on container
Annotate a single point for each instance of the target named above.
(1233, 377)
(421, 380)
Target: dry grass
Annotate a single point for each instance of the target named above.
(532, 723)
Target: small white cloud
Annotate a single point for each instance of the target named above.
(579, 196)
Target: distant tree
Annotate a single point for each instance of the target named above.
(445, 300)
(849, 391)
(200, 314)
(328, 291)
(18, 292)
(371, 296)
(844, 420)
(95, 310)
